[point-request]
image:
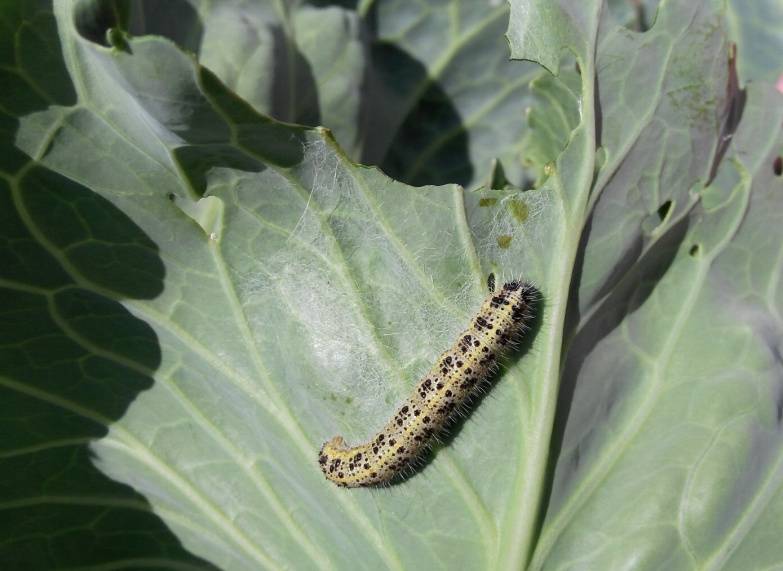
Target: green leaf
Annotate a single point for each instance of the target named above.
(292, 61)
(423, 89)
(195, 295)
(669, 450)
(753, 26)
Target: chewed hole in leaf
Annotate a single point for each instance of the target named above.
(664, 210)
(655, 221)
(777, 166)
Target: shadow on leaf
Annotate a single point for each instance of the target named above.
(72, 357)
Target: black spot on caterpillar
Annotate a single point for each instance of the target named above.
(456, 377)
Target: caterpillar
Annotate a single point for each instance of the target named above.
(456, 377)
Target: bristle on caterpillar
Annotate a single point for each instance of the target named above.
(457, 376)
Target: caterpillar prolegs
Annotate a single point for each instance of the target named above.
(454, 379)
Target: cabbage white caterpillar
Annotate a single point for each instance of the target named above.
(455, 377)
